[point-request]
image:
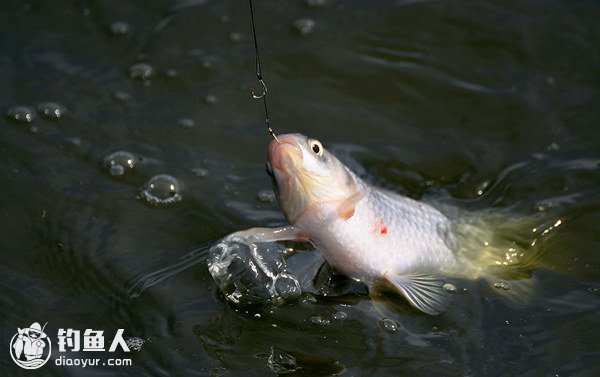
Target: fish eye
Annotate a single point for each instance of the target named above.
(316, 147)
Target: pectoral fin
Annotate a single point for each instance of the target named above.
(347, 207)
(286, 233)
(425, 292)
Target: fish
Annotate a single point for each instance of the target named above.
(18, 345)
(373, 235)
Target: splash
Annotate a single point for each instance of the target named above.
(248, 271)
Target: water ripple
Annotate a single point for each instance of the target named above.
(146, 281)
(435, 74)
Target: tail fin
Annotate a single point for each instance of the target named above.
(506, 249)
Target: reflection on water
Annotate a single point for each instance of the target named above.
(487, 107)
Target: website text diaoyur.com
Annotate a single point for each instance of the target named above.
(91, 362)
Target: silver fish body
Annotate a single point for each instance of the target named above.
(387, 233)
(370, 234)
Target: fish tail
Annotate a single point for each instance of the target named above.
(501, 244)
(505, 250)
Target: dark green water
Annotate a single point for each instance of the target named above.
(484, 104)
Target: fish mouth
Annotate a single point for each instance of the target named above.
(282, 154)
(285, 166)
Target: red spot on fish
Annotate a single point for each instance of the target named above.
(380, 228)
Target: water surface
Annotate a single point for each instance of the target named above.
(482, 105)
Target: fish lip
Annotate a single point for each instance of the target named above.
(276, 152)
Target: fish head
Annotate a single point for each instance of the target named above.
(304, 173)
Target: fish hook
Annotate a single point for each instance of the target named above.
(264, 90)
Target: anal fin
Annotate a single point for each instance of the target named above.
(424, 291)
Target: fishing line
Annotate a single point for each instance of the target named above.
(260, 78)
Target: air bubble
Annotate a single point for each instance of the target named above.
(480, 189)
(141, 71)
(593, 290)
(319, 321)
(207, 64)
(200, 172)
(266, 196)
(122, 96)
(21, 114)
(172, 72)
(449, 287)
(502, 285)
(119, 28)
(118, 163)
(389, 325)
(235, 37)
(51, 110)
(186, 123)
(210, 99)
(338, 316)
(162, 189)
(305, 25)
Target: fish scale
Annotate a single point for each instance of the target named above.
(416, 238)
